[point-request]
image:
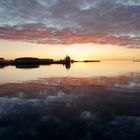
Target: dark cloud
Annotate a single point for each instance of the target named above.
(118, 20)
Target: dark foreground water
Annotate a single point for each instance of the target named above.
(101, 107)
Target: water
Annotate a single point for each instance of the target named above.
(104, 68)
(88, 101)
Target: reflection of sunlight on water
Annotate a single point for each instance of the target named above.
(104, 68)
(80, 65)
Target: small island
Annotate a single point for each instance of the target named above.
(32, 62)
(136, 60)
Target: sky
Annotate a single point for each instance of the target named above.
(93, 29)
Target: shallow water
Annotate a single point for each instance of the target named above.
(88, 101)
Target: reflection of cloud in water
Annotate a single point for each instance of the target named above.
(35, 119)
(71, 108)
(129, 85)
(70, 85)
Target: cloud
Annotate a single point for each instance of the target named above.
(40, 33)
(115, 20)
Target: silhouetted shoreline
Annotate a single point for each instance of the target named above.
(136, 60)
(86, 61)
(32, 62)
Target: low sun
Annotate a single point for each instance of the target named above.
(80, 58)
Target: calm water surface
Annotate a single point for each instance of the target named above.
(104, 68)
(89, 101)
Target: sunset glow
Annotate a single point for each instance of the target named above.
(76, 51)
(82, 29)
(69, 69)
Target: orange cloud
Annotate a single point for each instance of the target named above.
(38, 33)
